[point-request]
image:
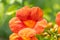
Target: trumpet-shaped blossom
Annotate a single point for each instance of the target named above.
(27, 23)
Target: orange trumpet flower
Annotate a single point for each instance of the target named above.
(27, 23)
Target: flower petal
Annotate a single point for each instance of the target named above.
(14, 36)
(30, 23)
(40, 25)
(36, 13)
(16, 25)
(23, 13)
(26, 33)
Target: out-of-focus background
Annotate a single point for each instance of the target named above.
(8, 10)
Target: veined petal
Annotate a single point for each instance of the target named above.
(36, 13)
(16, 25)
(14, 36)
(23, 13)
(40, 25)
(26, 33)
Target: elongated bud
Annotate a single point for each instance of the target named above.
(49, 25)
(58, 18)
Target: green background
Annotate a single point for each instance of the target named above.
(8, 10)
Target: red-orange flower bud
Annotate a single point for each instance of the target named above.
(58, 18)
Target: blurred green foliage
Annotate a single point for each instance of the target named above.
(8, 10)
